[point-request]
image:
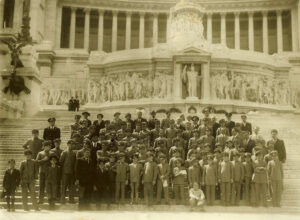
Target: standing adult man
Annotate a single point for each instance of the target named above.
(52, 132)
(86, 119)
(278, 146)
(67, 162)
(99, 124)
(29, 174)
(229, 124)
(245, 126)
(140, 118)
(152, 120)
(35, 144)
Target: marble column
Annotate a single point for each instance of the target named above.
(209, 27)
(251, 31)
(237, 30)
(1, 14)
(223, 28)
(294, 29)
(58, 26)
(168, 27)
(205, 81)
(100, 29)
(279, 31)
(177, 82)
(114, 31)
(265, 32)
(128, 30)
(87, 12)
(72, 28)
(142, 30)
(298, 24)
(17, 21)
(155, 29)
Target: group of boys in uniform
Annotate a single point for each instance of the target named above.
(112, 160)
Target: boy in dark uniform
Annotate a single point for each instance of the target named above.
(52, 178)
(101, 181)
(11, 181)
(99, 124)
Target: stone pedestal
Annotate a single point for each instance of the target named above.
(45, 55)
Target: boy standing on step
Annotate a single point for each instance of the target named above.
(225, 179)
(52, 177)
(43, 161)
(29, 174)
(275, 173)
(10, 183)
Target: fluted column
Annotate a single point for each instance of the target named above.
(17, 14)
(114, 31)
(168, 26)
(237, 30)
(205, 81)
(128, 30)
(279, 31)
(1, 14)
(177, 82)
(155, 29)
(251, 31)
(58, 26)
(294, 29)
(142, 30)
(87, 28)
(223, 28)
(100, 29)
(265, 32)
(298, 23)
(209, 27)
(72, 28)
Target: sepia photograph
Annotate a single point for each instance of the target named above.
(149, 109)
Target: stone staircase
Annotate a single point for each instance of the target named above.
(14, 133)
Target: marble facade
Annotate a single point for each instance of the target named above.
(171, 55)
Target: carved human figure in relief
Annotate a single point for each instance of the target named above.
(191, 76)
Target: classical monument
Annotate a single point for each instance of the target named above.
(113, 54)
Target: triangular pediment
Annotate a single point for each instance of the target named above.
(194, 50)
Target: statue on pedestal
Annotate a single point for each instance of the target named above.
(190, 76)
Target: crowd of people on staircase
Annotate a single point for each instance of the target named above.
(195, 160)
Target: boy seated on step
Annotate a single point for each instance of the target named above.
(196, 197)
(10, 183)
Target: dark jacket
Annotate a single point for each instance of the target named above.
(246, 127)
(67, 162)
(28, 171)
(230, 125)
(101, 178)
(249, 146)
(51, 133)
(11, 180)
(53, 174)
(280, 148)
(98, 126)
(84, 171)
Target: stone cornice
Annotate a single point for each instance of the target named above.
(159, 6)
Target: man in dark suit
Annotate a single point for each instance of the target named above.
(215, 126)
(76, 104)
(99, 124)
(129, 122)
(84, 171)
(229, 124)
(152, 121)
(245, 126)
(249, 144)
(71, 105)
(278, 146)
(139, 119)
(52, 132)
